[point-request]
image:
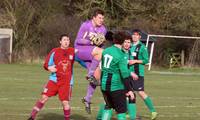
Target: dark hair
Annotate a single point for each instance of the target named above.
(97, 11)
(136, 31)
(109, 36)
(63, 35)
(119, 37)
(127, 35)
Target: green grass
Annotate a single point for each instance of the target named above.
(176, 97)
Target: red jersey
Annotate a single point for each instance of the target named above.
(63, 59)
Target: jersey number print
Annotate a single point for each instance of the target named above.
(107, 60)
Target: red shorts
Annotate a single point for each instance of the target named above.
(64, 91)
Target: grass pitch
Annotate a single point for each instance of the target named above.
(175, 94)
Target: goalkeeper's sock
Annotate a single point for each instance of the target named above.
(100, 112)
(38, 106)
(67, 114)
(93, 66)
(121, 116)
(132, 111)
(107, 114)
(90, 91)
(149, 104)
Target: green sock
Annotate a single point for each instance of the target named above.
(100, 112)
(132, 111)
(107, 114)
(149, 104)
(121, 116)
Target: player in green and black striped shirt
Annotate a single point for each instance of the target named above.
(115, 79)
(130, 103)
(139, 57)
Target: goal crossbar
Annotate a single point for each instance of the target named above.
(163, 36)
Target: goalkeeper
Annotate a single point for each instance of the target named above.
(88, 42)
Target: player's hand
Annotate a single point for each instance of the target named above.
(52, 68)
(92, 36)
(97, 39)
(131, 62)
(134, 76)
(130, 94)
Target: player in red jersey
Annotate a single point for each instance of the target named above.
(59, 62)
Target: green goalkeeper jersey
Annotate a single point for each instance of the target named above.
(139, 52)
(114, 69)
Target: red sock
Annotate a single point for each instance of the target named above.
(67, 114)
(38, 106)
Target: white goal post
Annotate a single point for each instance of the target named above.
(6, 39)
(162, 36)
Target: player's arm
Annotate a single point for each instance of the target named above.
(126, 77)
(49, 62)
(52, 68)
(145, 56)
(132, 62)
(75, 51)
(125, 73)
(144, 60)
(82, 35)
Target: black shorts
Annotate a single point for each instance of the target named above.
(138, 85)
(115, 100)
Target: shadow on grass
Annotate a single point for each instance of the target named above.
(54, 116)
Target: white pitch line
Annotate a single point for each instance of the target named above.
(173, 73)
(7, 114)
(170, 106)
(182, 81)
(3, 99)
(73, 108)
(180, 98)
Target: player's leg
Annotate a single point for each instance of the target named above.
(38, 106)
(107, 112)
(66, 109)
(147, 100)
(100, 111)
(85, 54)
(87, 99)
(64, 93)
(81, 62)
(131, 104)
(97, 74)
(90, 91)
(49, 90)
(96, 53)
(121, 116)
(132, 108)
(89, 53)
(120, 104)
